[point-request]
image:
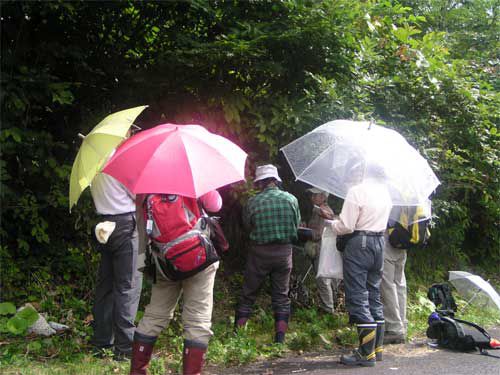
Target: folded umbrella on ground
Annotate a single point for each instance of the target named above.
(475, 289)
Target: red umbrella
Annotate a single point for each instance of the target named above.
(177, 159)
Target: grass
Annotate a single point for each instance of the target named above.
(309, 330)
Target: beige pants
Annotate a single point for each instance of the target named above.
(196, 309)
(393, 290)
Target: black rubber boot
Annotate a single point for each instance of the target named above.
(379, 340)
(365, 354)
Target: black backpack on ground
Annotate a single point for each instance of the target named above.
(440, 295)
(450, 332)
(457, 334)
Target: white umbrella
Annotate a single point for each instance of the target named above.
(408, 215)
(475, 288)
(343, 153)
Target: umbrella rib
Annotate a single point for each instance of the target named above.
(316, 158)
(189, 162)
(216, 150)
(149, 160)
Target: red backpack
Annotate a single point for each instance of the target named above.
(181, 246)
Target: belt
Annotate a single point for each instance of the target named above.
(117, 215)
(368, 233)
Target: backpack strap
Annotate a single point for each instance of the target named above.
(189, 214)
(480, 329)
(149, 214)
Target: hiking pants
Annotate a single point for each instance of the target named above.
(118, 286)
(327, 289)
(363, 261)
(197, 306)
(393, 290)
(267, 260)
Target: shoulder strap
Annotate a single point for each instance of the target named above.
(189, 214)
(480, 329)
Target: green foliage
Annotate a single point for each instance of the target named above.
(20, 322)
(260, 73)
(7, 308)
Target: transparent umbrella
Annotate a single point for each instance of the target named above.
(475, 289)
(343, 153)
(408, 215)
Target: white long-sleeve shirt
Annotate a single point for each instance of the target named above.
(367, 207)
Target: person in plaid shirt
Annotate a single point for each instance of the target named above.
(272, 218)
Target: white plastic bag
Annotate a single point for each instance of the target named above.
(330, 259)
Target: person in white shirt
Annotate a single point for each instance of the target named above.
(364, 218)
(119, 283)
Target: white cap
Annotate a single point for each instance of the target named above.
(317, 191)
(266, 171)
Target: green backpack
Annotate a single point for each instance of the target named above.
(411, 230)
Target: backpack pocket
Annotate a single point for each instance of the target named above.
(186, 258)
(187, 255)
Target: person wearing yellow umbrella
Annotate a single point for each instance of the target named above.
(119, 283)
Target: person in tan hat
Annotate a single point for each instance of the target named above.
(271, 218)
(327, 288)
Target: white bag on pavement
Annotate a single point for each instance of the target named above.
(330, 259)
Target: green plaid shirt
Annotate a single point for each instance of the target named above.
(272, 216)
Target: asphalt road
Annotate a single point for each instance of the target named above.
(416, 358)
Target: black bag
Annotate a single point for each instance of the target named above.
(450, 332)
(304, 234)
(456, 334)
(406, 236)
(440, 295)
(342, 241)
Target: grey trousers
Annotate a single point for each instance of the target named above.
(118, 287)
(393, 290)
(363, 261)
(327, 289)
(267, 260)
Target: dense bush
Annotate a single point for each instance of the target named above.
(261, 73)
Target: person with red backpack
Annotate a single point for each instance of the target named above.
(186, 262)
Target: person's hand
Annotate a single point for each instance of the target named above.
(326, 213)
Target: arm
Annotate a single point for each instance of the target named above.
(247, 219)
(346, 223)
(211, 201)
(141, 230)
(296, 210)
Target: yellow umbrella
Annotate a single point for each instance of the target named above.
(96, 148)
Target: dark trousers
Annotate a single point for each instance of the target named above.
(118, 287)
(267, 260)
(363, 261)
